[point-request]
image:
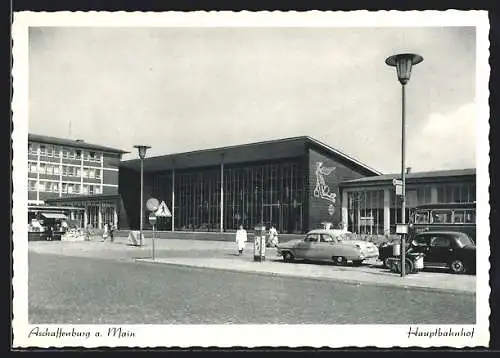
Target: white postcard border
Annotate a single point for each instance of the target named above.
(246, 335)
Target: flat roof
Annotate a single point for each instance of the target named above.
(251, 152)
(71, 143)
(412, 176)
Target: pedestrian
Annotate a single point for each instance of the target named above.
(49, 233)
(105, 233)
(241, 239)
(111, 228)
(273, 236)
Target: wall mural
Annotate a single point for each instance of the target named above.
(322, 190)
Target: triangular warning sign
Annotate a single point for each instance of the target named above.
(163, 211)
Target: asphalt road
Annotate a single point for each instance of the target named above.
(71, 290)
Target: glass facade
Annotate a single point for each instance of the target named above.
(253, 194)
(456, 193)
(366, 207)
(366, 212)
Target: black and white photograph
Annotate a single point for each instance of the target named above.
(251, 179)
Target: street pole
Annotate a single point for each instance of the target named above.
(403, 177)
(403, 63)
(153, 241)
(141, 214)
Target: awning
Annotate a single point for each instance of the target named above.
(54, 216)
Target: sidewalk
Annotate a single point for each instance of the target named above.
(221, 255)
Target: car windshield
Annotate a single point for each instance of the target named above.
(464, 240)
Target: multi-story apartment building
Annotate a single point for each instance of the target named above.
(63, 171)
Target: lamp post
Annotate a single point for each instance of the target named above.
(403, 63)
(142, 154)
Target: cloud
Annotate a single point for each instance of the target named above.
(446, 141)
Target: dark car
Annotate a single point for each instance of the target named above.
(454, 251)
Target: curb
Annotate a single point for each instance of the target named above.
(345, 281)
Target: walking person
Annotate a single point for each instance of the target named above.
(111, 228)
(241, 239)
(273, 236)
(105, 233)
(49, 233)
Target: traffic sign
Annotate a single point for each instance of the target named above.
(401, 229)
(399, 190)
(152, 219)
(397, 182)
(163, 211)
(152, 204)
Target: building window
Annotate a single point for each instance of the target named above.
(32, 167)
(98, 173)
(85, 189)
(456, 193)
(85, 173)
(68, 171)
(78, 172)
(57, 170)
(49, 169)
(78, 154)
(31, 149)
(41, 186)
(91, 190)
(57, 151)
(423, 195)
(43, 150)
(50, 151)
(42, 168)
(55, 187)
(32, 185)
(98, 190)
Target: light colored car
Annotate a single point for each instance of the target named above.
(328, 245)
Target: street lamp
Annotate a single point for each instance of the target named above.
(403, 63)
(142, 154)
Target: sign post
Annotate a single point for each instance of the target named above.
(398, 184)
(160, 211)
(152, 221)
(152, 204)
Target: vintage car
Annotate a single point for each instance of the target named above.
(451, 250)
(328, 245)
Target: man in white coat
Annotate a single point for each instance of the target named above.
(241, 239)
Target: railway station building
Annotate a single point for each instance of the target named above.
(291, 183)
(296, 184)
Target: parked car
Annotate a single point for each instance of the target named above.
(454, 251)
(328, 245)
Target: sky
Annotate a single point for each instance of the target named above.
(182, 89)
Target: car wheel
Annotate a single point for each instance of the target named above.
(457, 266)
(339, 260)
(287, 256)
(387, 262)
